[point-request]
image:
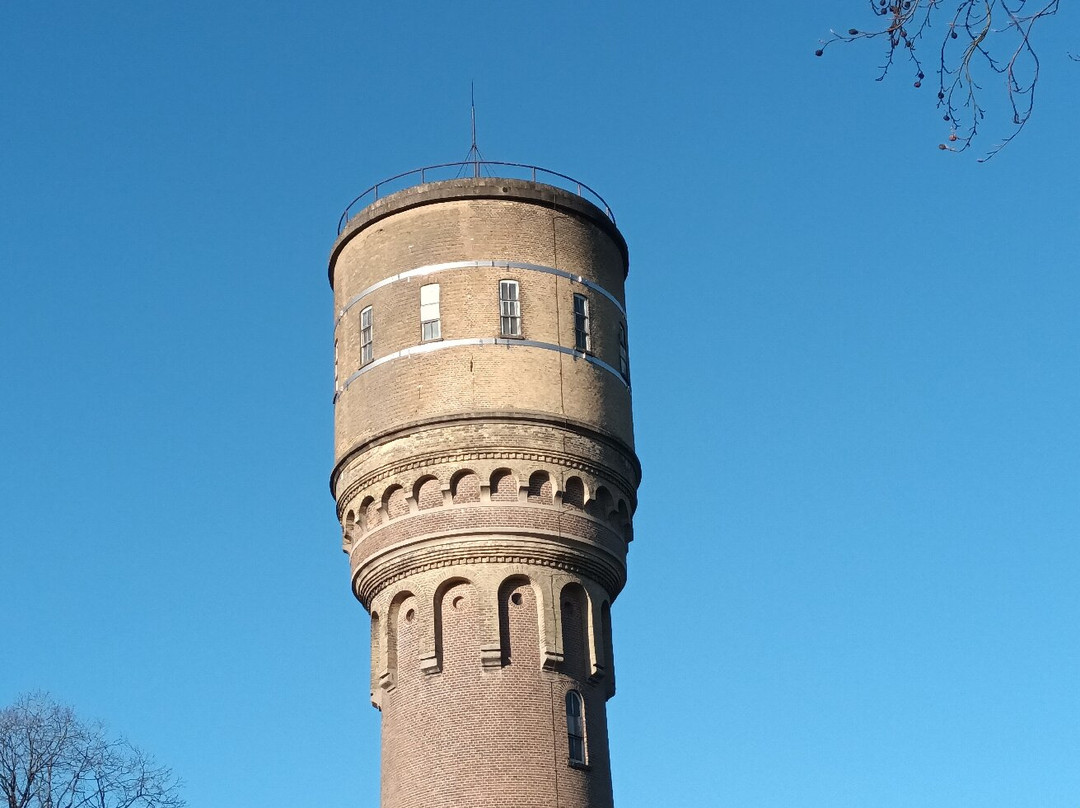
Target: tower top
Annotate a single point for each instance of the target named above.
(447, 171)
(426, 186)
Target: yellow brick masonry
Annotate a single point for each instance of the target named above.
(485, 492)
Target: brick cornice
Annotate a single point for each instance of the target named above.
(464, 548)
(547, 459)
(494, 417)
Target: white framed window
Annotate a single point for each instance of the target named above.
(367, 323)
(509, 309)
(430, 324)
(624, 354)
(575, 727)
(582, 341)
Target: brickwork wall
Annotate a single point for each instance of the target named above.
(485, 492)
(476, 378)
(473, 734)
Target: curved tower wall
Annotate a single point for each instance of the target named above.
(485, 482)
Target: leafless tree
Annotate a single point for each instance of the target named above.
(978, 39)
(51, 759)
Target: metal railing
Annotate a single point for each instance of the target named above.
(436, 172)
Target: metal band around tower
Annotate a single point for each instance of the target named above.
(430, 269)
(429, 347)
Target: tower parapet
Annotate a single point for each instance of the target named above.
(485, 479)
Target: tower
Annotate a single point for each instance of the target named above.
(485, 478)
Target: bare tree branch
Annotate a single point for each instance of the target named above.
(981, 39)
(50, 759)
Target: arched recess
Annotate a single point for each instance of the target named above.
(393, 502)
(574, 613)
(609, 646)
(573, 493)
(465, 487)
(368, 517)
(349, 531)
(427, 491)
(376, 657)
(457, 626)
(540, 489)
(504, 486)
(601, 504)
(402, 649)
(519, 624)
(624, 523)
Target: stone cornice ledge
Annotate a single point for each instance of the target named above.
(488, 416)
(435, 551)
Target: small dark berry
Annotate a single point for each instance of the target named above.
(853, 31)
(954, 35)
(818, 52)
(918, 84)
(940, 96)
(942, 146)
(921, 75)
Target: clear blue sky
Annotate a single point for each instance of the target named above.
(856, 392)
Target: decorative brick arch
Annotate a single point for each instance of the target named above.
(427, 491)
(393, 502)
(623, 522)
(349, 530)
(465, 487)
(601, 504)
(368, 515)
(402, 610)
(456, 627)
(519, 622)
(574, 626)
(540, 488)
(573, 493)
(504, 486)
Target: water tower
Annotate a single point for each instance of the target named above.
(485, 478)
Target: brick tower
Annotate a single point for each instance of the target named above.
(485, 478)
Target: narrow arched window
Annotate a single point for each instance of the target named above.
(575, 727)
(367, 347)
(337, 387)
(624, 354)
(509, 309)
(430, 323)
(582, 341)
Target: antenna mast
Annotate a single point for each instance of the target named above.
(474, 155)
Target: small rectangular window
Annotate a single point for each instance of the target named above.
(624, 354)
(430, 325)
(366, 333)
(581, 323)
(509, 309)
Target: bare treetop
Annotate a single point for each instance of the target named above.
(51, 759)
